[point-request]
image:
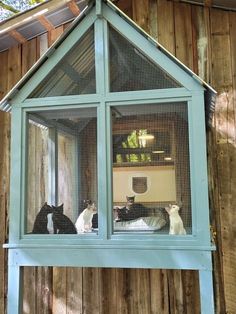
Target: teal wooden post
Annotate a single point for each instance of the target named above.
(99, 8)
(14, 298)
(206, 292)
(52, 173)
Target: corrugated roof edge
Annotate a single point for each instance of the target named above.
(5, 102)
(209, 94)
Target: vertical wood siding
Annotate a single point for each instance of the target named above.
(205, 40)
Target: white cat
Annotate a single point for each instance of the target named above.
(176, 223)
(84, 222)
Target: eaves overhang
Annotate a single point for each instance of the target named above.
(210, 93)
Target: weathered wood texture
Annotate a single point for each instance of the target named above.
(205, 40)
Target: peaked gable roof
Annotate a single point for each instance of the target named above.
(210, 93)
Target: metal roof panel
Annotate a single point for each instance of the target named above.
(4, 104)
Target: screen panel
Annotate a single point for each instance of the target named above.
(132, 70)
(151, 171)
(74, 74)
(62, 172)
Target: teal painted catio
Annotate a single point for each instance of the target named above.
(101, 128)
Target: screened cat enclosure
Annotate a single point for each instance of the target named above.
(150, 161)
(109, 155)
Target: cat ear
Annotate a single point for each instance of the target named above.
(180, 204)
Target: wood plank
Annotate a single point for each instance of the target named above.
(4, 178)
(3, 73)
(126, 7)
(133, 291)
(123, 290)
(73, 7)
(165, 25)
(199, 41)
(208, 3)
(142, 292)
(17, 36)
(225, 136)
(175, 291)
(29, 290)
(54, 34)
(74, 283)
(91, 290)
(153, 19)
(42, 44)
(228, 195)
(221, 63)
(191, 292)
(43, 290)
(183, 33)
(29, 55)
(14, 66)
(215, 221)
(59, 290)
(159, 302)
(232, 23)
(140, 13)
(45, 23)
(4, 174)
(108, 297)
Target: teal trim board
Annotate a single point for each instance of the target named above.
(92, 141)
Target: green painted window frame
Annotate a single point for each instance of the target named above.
(192, 93)
(199, 196)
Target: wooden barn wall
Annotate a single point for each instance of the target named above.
(205, 40)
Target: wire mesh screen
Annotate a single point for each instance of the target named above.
(62, 172)
(74, 74)
(151, 173)
(131, 70)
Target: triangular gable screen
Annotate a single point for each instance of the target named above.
(74, 74)
(131, 70)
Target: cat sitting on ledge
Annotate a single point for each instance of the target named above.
(84, 221)
(51, 219)
(176, 223)
(131, 210)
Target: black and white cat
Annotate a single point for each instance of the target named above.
(131, 210)
(84, 221)
(51, 219)
(41, 220)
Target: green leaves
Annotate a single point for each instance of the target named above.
(11, 7)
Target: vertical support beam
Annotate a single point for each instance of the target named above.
(76, 170)
(14, 298)
(198, 163)
(52, 167)
(16, 175)
(99, 8)
(100, 26)
(206, 292)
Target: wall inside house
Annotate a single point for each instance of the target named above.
(204, 39)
